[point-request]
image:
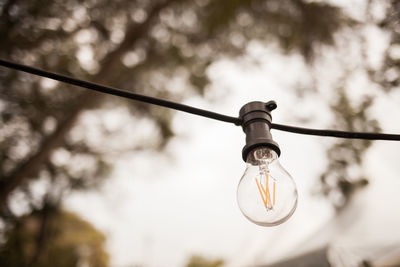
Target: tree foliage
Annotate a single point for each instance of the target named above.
(344, 174)
(199, 261)
(388, 75)
(51, 237)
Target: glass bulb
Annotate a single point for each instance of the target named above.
(266, 194)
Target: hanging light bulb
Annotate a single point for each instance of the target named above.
(266, 194)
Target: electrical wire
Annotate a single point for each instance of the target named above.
(119, 92)
(189, 109)
(338, 134)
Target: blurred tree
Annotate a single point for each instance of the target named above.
(344, 172)
(198, 261)
(51, 237)
(388, 74)
(144, 46)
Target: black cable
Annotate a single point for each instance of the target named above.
(192, 110)
(334, 133)
(121, 93)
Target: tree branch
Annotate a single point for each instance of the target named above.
(30, 168)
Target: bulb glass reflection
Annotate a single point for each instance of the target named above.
(266, 194)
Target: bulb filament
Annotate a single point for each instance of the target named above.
(265, 192)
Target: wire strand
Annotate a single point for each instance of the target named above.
(189, 109)
(338, 134)
(121, 93)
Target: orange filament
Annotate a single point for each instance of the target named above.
(261, 193)
(267, 185)
(274, 192)
(264, 192)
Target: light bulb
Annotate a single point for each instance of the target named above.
(266, 194)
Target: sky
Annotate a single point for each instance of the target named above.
(158, 209)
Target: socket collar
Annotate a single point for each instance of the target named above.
(256, 123)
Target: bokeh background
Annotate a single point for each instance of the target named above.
(93, 180)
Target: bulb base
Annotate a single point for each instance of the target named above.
(256, 123)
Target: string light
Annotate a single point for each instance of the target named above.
(266, 194)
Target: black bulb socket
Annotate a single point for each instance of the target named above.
(256, 123)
